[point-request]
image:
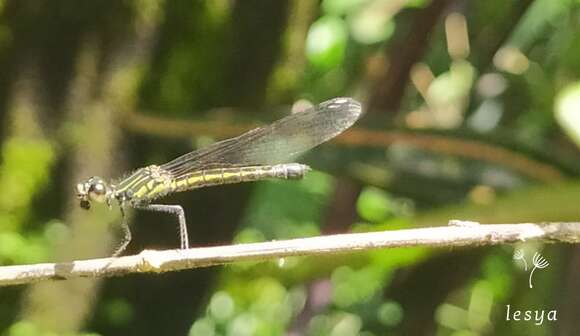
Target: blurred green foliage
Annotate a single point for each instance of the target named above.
(326, 43)
(281, 210)
(488, 70)
(25, 172)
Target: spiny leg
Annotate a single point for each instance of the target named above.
(127, 235)
(176, 210)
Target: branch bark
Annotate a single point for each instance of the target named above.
(458, 233)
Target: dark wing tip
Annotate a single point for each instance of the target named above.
(346, 111)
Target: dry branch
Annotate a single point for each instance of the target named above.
(458, 233)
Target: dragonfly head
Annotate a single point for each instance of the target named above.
(92, 189)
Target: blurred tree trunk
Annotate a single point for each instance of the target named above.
(257, 31)
(169, 303)
(63, 307)
(385, 97)
(387, 93)
(86, 75)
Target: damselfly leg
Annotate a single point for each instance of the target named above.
(126, 235)
(176, 210)
(172, 209)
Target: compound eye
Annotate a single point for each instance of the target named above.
(98, 192)
(98, 188)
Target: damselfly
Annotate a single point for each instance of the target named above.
(255, 155)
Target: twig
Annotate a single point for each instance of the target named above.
(458, 233)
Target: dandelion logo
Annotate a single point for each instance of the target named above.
(519, 255)
(514, 314)
(539, 263)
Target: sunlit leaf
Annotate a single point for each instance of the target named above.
(371, 25)
(25, 170)
(341, 7)
(326, 42)
(203, 327)
(568, 111)
(454, 85)
(390, 313)
(221, 306)
(374, 205)
(353, 286)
